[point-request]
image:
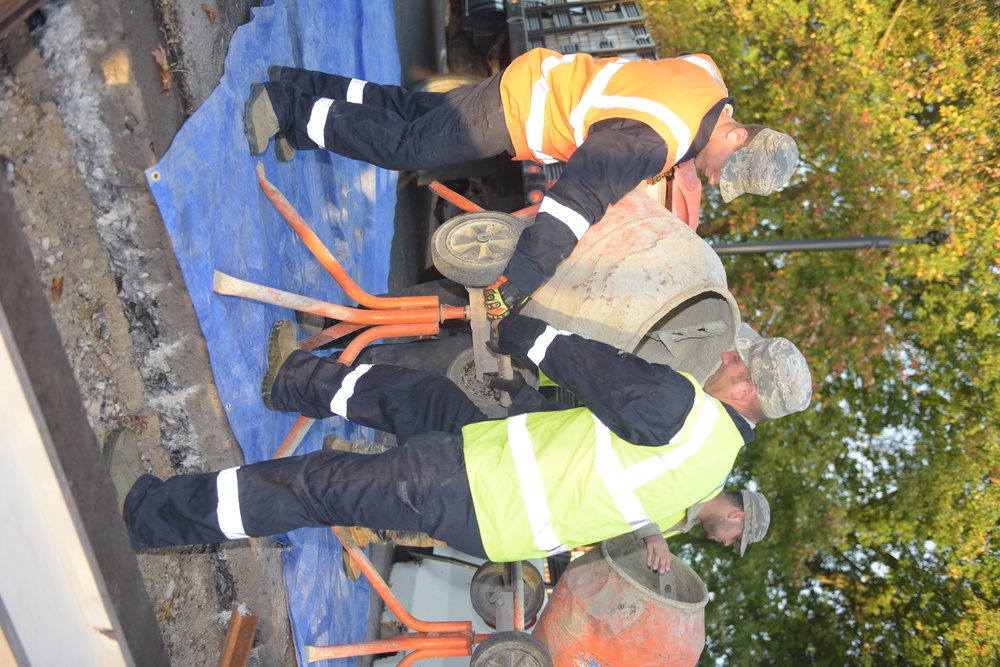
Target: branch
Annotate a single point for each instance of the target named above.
(892, 21)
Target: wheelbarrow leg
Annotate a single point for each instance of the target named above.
(430, 638)
(510, 602)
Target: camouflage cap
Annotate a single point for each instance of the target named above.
(778, 370)
(757, 520)
(760, 167)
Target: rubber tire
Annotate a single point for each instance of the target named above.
(473, 248)
(461, 371)
(442, 83)
(488, 580)
(511, 649)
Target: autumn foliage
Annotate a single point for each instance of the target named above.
(884, 547)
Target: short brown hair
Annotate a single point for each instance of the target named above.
(736, 498)
(752, 131)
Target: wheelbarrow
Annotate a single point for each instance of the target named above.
(502, 593)
(613, 288)
(498, 592)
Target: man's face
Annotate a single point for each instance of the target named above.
(715, 153)
(732, 373)
(723, 530)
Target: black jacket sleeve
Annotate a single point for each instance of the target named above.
(644, 403)
(616, 157)
(530, 399)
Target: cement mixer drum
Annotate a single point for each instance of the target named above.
(640, 279)
(609, 609)
(643, 281)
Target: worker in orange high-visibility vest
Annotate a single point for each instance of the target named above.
(614, 123)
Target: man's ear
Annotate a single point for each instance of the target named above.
(742, 396)
(736, 515)
(744, 391)
(738, 135)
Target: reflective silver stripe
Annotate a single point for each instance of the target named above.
(595, 98)
(610, 468)
(708, 67)
(532, 490)
(356, 90)
(541, 346)
(673, 122)
(338, 404)
(534, 127)
(648, 469)
(317, 121)
(564, 214)
(228, 511)
(590, 99)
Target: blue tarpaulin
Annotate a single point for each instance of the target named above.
(219, 219)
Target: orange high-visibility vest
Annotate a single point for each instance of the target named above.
(551, 100)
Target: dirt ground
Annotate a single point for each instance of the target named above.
(80, 119)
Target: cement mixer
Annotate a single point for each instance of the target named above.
(609, 609)
(640, 279)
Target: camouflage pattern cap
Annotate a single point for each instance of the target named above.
(778, 370)
(760, 167)
(758, 518)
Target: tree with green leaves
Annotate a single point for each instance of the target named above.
(885, 540)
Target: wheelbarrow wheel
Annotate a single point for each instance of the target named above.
(510, 649)
(488, 583)
(473, 248)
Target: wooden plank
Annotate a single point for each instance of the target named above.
(239, 640)
(486, 361)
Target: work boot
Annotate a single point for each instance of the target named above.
(282, 149)
(283, 342)
(260, 123)
(409, 538)
(336, 443)
(358, 445)
(362, 537)
(121, 458)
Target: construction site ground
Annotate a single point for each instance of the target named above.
(83, 112)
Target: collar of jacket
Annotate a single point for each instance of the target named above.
(745, 428)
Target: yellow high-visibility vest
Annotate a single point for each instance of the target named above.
(546, 482)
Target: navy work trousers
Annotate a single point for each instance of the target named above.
(390, 127)
(420, 486)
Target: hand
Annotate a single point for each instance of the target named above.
(502, 298)
(657, 553)
(512, 386)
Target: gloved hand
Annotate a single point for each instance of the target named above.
(502, 298)
(513, 386)
(493, 344)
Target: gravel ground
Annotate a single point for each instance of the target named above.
(73, 146)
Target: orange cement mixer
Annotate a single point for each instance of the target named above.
(610, 610)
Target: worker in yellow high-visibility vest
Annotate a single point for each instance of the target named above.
(614, 122)
(650, 444)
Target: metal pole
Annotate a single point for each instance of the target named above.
(810, 245)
